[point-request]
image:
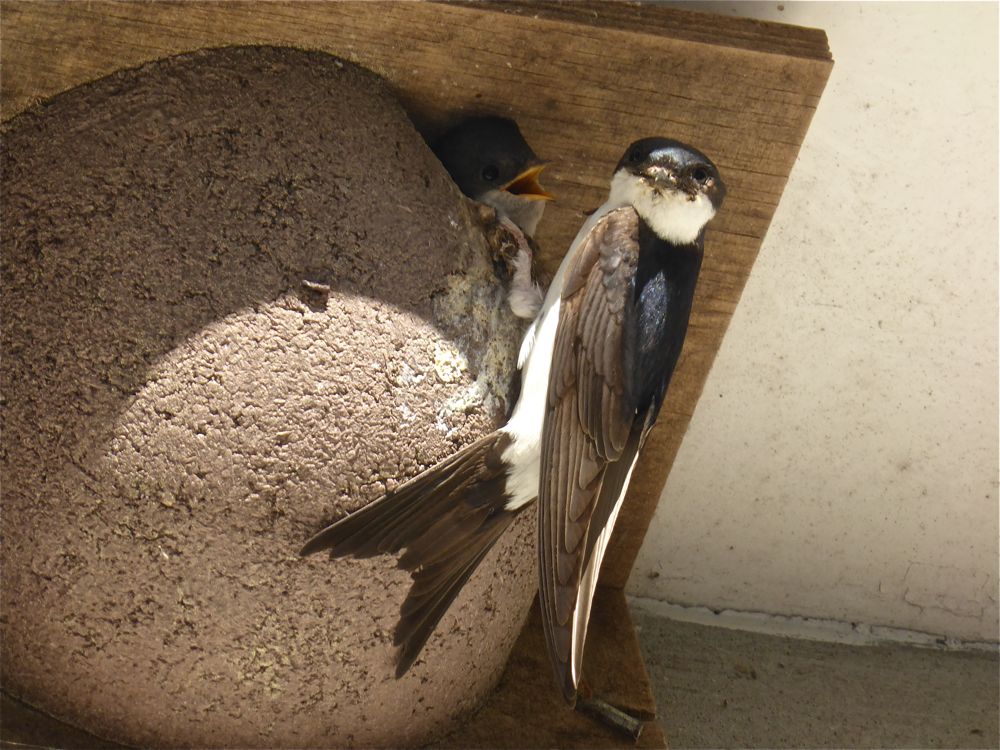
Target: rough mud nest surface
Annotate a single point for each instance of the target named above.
(240, 299)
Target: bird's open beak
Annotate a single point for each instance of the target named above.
(526, 185)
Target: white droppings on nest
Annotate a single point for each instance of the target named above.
(449, 363)
(474, 311)
(467, 400)
(409, 376)
(408, 415)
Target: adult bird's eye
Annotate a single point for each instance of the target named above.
(490, 173)
(635, 157)
(700, 175)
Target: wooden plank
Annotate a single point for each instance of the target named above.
(22, 726)
(525, 710)
(694, 26)
(583, 81)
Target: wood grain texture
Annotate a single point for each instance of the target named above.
(582, 80)
(526, 710)
(694, 26)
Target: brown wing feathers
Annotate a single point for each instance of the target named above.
(437, 580)
(587, 424)
(446, 519)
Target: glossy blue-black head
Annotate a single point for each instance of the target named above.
(675, 188)
(670, 165)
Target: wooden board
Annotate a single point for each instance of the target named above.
(525, 710)
(583, 80)
(677, 23)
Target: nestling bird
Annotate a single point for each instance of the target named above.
(490, 161)
(596, 364)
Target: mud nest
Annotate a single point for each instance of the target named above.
(241, 298)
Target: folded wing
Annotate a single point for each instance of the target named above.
(590, 437)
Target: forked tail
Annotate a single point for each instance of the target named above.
(446, 519)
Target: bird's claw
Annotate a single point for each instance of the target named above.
(513, 260)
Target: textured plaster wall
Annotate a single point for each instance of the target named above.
(842, 461)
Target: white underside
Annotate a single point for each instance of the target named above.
(525, 425)
(525, 296)
(535, 360)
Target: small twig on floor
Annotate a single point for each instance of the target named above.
(608, 714)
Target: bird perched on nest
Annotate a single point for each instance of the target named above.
(596, 363)
(491, 163)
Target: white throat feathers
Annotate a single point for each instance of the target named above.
(675, 216)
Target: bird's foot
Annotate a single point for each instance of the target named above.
(500, 238)
(525, 295)
(513, 259)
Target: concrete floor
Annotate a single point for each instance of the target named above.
(724, 688)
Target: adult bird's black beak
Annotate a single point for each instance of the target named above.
(526, 184)
(690, 181)
(663, 177)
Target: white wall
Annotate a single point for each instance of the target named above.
(843, 460)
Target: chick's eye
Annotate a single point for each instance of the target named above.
(700, 174)
(490, 173)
